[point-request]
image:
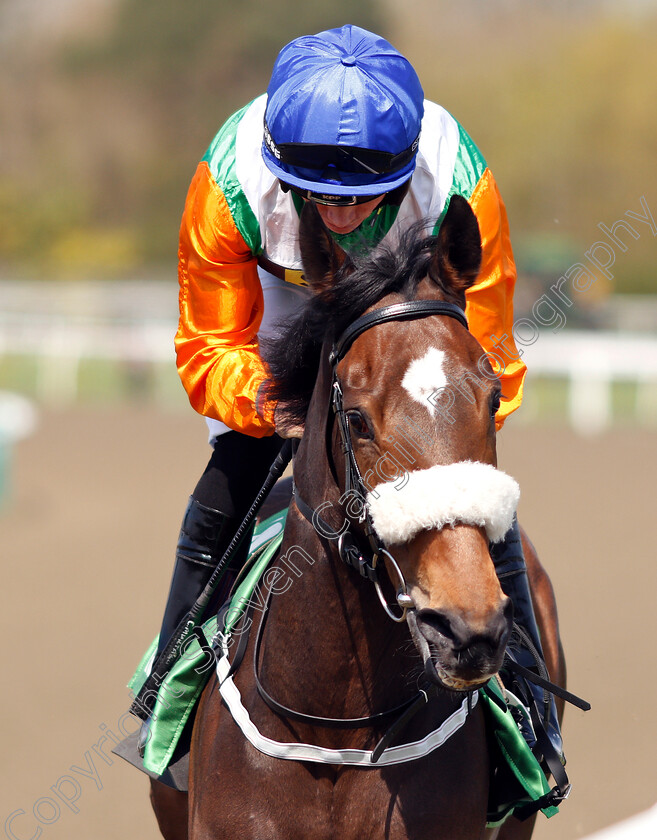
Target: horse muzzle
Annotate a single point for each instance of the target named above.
(455, 655)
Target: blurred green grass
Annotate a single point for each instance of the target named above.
(108, 383)
(96, 382)
(103, 125)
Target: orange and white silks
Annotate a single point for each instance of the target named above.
(235, 211)
(221, 307)
(489, 303)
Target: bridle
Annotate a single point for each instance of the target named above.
(367, 566)
(355, 487)
(347, 544)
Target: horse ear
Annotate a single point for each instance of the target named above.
(457, 259)
(321, 255)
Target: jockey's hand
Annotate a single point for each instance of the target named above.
(285, 427)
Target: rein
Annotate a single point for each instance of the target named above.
(301, 717)
(350, 553)
(401, 714)
(348, 549)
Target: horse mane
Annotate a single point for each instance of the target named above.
(293, 356)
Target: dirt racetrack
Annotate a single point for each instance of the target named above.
(87, 542)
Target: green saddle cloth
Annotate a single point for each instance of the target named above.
(517, 779)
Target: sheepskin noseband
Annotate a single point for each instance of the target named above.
(467, 492)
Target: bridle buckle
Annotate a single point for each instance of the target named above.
(353, 556)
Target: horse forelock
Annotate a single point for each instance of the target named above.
(293, 356)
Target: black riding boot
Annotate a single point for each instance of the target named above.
(204, 536)
(525, 645)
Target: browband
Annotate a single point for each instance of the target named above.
(394, 312)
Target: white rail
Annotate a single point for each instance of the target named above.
(590, 361)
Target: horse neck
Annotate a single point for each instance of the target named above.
(328, 628)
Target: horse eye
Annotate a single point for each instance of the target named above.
(359, 425)
(495, 403)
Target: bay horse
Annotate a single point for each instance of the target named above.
(369, 404)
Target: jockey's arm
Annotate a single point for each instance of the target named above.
(490, 301)
(221, 306)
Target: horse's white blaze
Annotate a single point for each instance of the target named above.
(468, 492)
(425, 376)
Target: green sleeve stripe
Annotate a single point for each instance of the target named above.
(469, 166)
(221, 158)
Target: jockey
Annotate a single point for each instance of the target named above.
(346, 125)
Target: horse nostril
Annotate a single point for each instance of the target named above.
(436, 626)
(443, 626)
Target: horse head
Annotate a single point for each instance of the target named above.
(419, 398)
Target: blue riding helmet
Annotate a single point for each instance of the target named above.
(343, 114)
